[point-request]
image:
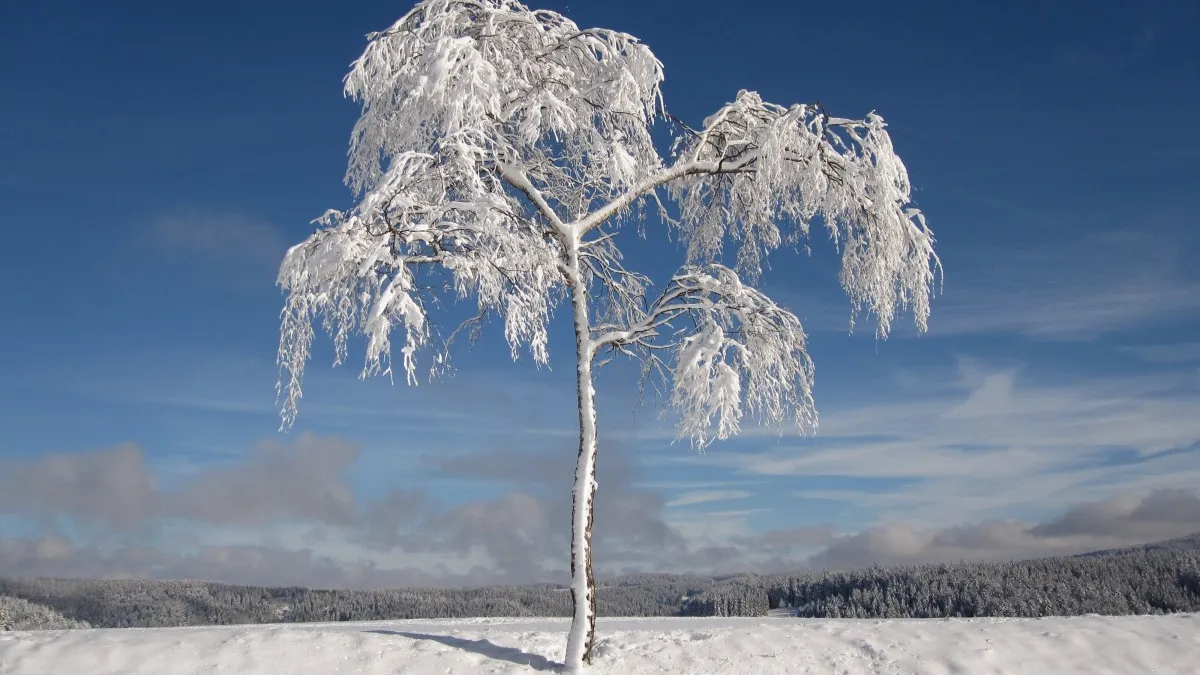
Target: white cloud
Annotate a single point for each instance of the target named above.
(717, 543)
(993, 396)
(1121, 520)
(707, 496)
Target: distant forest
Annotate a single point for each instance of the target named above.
(1152, 579)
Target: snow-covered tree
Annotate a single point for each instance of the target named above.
(506, 148)
(20, 614)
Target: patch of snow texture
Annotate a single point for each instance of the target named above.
(1090, 645)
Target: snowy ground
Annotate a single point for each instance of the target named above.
(1168, 645)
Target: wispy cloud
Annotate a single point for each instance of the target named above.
(996, 441)
(232, 240)
(707, 496)
(1074, 290)
(1177, 353)
(208, 383)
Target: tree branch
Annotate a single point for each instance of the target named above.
(520, 181)
(599, 216)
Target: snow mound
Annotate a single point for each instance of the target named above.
(1091, 645)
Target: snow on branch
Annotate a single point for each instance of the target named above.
(485, 126)
(495, 139)
(731, 351)
(487, 83)
(357, 273)
(777, 165)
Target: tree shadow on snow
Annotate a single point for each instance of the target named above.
(482, 647)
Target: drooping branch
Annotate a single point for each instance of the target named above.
(796, 165)
(730, 349)
(356, 274)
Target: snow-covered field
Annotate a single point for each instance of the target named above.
(1168, 645)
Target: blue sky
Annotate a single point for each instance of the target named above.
(158, 158)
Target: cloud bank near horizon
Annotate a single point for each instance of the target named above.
(287, 514)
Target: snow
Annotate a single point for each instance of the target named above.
(1091, 645)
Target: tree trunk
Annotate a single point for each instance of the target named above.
(583, 585)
